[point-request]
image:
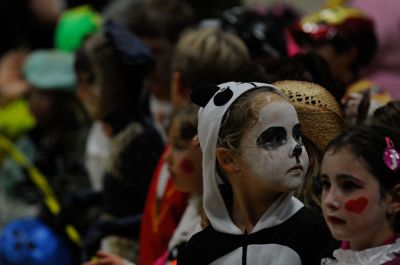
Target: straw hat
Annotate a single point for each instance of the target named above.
(319, 113)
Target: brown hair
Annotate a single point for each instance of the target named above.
(388, 115)
(161, 19)
(208, 55)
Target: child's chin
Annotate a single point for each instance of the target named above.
(338, 234)
(294, 184)
(290, 188)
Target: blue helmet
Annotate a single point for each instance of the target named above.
(31, 242)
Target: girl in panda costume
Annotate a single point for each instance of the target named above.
(253, 159)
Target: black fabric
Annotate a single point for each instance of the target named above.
(201, 95)
(22, 28)
(79, 209)
(305, 233)
(125, 195)
(132, 50)
(127, 227)
(223, 97)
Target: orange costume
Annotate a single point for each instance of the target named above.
(163, 210)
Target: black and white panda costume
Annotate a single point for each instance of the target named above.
(286, 234)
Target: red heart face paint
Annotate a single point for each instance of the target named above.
(187, 166)
(356, 206)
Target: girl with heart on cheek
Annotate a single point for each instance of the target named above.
(253, 160)
(360, 181)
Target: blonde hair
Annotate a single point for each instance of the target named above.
(208, 55)
(306, 192)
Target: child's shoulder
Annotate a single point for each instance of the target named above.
(204, 247)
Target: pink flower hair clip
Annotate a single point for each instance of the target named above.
(391, 156)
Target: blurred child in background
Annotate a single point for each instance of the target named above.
(346, 39)
(113, 66)
(55, 144)
(184, 164)
(203, 55)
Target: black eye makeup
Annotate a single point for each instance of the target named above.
(272, 138)
(297, 135)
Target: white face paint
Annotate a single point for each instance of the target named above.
(267, 148)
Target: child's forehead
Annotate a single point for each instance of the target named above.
(265, 99)
(344, 161)
(338, 151)
(273, 113)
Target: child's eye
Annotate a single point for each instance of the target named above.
(272, 138)
(349, 186)
(297, 135)
(179, 146)
(325, 184)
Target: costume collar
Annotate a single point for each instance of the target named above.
(370, 256)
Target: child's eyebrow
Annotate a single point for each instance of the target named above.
(342, 177)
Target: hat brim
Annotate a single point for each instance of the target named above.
(319, 125)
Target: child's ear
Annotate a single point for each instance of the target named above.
(226, 160)
(195, 142)
(394, 200)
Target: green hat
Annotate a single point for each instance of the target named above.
(50, 69)
(74, 25)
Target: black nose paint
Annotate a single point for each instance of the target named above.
(297, 152)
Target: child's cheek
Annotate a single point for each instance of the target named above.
(187, 166)
(356, 206)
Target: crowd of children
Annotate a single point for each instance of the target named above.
(160, 132)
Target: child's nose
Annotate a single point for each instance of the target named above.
(295, 152)
(330, 200)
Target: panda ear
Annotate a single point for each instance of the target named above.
(201, 95)
(223, 97)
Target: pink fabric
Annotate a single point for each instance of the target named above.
(292, 47)
(384, 70)
(345, 244)
(391, 239)
(162, 260)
